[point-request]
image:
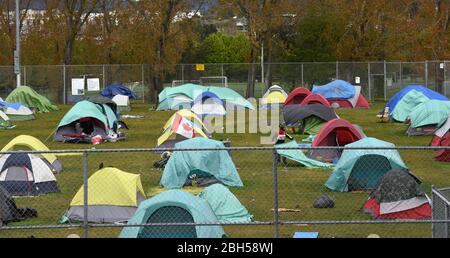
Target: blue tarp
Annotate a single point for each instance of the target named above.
(337, 89)
(431, 94)
(14, 105)
(117, 89)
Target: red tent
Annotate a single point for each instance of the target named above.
(297, 96)
(345, 103)
(421, 212)
(315, 99)
(336, 132)
(443, 155)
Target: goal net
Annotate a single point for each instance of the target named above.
(214, 81)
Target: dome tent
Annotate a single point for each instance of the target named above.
(274, 97)
(29, 97)
(336, 132)
(114, 196)
(407, 104)
(4, 121)
(430, 94)
(315, 99)
(361, 169)
(24, 174)
(398, 196)
(297, 96)
(173, 206)
(427, 117)
(310, 118)
(19, 112)
(29, 142)
(208, 104)
(210, 165)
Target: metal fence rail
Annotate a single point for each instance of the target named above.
(279, 193)
(378, 79)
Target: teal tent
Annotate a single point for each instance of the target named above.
(104, 116)
(215, 164)
(173, 206)
(230, 96)
(299, 156)
(361, 169)
(225, 205)
(430, 112)
(411, 100)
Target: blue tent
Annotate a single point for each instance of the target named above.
(117, 89)
(431, 94)
(337, 89)
(173, 206)
(203, 163)
(208, 104)
(14, 105)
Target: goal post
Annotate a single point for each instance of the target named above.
(214, 81)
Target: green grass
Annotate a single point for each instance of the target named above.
(298, 187)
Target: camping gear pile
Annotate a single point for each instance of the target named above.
(342, 94)
(120, 94)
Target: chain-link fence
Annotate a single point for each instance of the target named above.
(378, 80)
(441, 211)
(216, 192)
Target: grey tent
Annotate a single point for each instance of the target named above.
(9, 211)
(398, 196)
(295, 115)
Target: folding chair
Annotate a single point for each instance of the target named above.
(384, 115)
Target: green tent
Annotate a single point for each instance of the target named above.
(225, 205)
(429, 113)
(312, 125)
(173, 206)
(407, 104)
(204, 164)
(89, 109)
(31, 98)
(4, 121)
(361, 169)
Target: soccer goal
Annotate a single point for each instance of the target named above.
(214, 81)
(181, 82)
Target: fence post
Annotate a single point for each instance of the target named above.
(182, 73)
(445, 78)
(369, 81)
(447, 217)
(385, 79)
(337, 70)
(24, 75)
(64, 84)
(401, 75)
(85, 205)
(426, 73)
(275, 194)
(103, 75)
(143, 83)
(303, 83)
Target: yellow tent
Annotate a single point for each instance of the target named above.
(111, 186)
(22, 142)
(274, 95)
(198, 128)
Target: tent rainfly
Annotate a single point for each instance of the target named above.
(427, 117)
(29, 97)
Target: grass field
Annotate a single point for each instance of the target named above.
(298, 187)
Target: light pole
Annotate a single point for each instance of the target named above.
(17, 51)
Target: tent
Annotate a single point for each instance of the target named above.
(208, 104)
(442, 138)
(337, 89)
(99, 99)
(4, 121)
(182, 125)
(19, 113)
(298, 156)
(315, 99)
(179, 97)
(408, 103)
(230, 97)
(362, 169)
(398, 196)
(430, 94)
(274, 97)
(114, 196)
(342, 93)
(336, 132)
(173, 206)
(117, 89)
(225, 205)
(297, 96)
(311, 117)
(24, 174)
(207, 165)
(29, 97)
(9, 212)
(122, 102)
(427, 117)
(28, 142)
(88, 119)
